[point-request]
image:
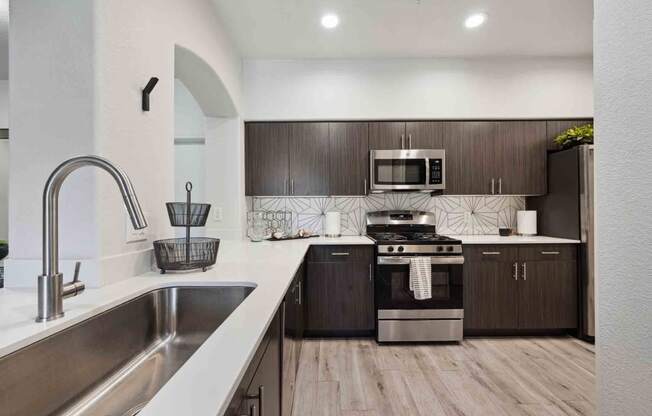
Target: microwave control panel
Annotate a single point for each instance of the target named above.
(436, 171)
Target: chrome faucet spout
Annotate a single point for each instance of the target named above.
(51, 289)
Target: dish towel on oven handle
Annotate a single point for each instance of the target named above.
(421, 277)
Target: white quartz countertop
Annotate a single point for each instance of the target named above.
(205, 384)
(513, 239)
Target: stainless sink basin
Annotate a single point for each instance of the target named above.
(112, 364)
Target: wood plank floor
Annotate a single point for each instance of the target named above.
(481, 376)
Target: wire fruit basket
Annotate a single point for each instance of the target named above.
(187, 253)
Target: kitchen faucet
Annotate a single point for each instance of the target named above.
(51, 289)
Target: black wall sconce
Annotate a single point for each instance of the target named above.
(147, 90)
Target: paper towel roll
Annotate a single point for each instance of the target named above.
(526, 222)
(332, 224)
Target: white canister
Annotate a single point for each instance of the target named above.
(332, 226)
(526, 222)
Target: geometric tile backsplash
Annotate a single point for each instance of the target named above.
(454, 214)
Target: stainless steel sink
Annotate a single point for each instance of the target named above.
(112, 364)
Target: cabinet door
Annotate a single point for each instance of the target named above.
(470, 157)
(267, 377)
(309, 159)
(425, 134)
(548, 295)
(349, 158)
(556, 127)
(339, 297)
(387, 135)
(521, 158)
(266, 159)
(490, 287)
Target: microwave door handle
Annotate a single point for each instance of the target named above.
(427, 172)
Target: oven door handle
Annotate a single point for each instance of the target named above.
(398, 260)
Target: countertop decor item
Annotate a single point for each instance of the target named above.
(526, 222)
(505, 232)
(187, 253)
(332, 224)
(575, 136)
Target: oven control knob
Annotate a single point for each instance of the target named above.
(449, 248)
(440, 248)
(390, 249)
(400, 249)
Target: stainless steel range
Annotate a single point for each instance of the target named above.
(401, 236)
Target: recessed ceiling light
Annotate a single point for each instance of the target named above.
(330, 21)
(475, 20)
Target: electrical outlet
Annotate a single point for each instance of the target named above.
(132, 235)
(217, 214)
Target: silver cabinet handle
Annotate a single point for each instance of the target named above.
(339, 254)
(524, 271)
(402, 141)
(493, 183)
(260, 397)
(500, 185)
(491, 253)
(550, 253)
(300, 292)
(292, 186)
(370, 273)
(409, 141)
(365, 187)
(516, 271)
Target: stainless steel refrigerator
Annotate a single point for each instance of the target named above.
(566, 211)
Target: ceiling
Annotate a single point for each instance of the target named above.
(290, 29)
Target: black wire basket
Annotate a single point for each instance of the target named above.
(187, 253)
(178, 254)
(179, 217)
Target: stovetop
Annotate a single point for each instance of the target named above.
(412, 238)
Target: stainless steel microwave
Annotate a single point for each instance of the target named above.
(407, 170)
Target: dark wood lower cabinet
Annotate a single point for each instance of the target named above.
(292, 336)
(339, 292)
(532, 287)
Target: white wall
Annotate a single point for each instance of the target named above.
(189, 119)
(427, 88)
(623, 88)
(4, 104)
(76, 88)
(4, 189)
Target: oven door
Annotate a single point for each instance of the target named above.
(393, 293)
(407, 170)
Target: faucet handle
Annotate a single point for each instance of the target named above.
(75, 287)
(75, 278)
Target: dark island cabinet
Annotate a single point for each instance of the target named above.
(349, 158)
(533, 287)
(339, 291)
(293, 323)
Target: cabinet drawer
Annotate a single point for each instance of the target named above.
(491, 253)
(340, 253)
(548, 252)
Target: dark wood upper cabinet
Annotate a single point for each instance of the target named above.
(266, 159)
(521, 156)
(470, 157)
(349, 158)
(556, 127)
(387, 135)
(309, 159)
(424, 134)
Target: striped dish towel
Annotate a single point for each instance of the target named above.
(421, 277)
